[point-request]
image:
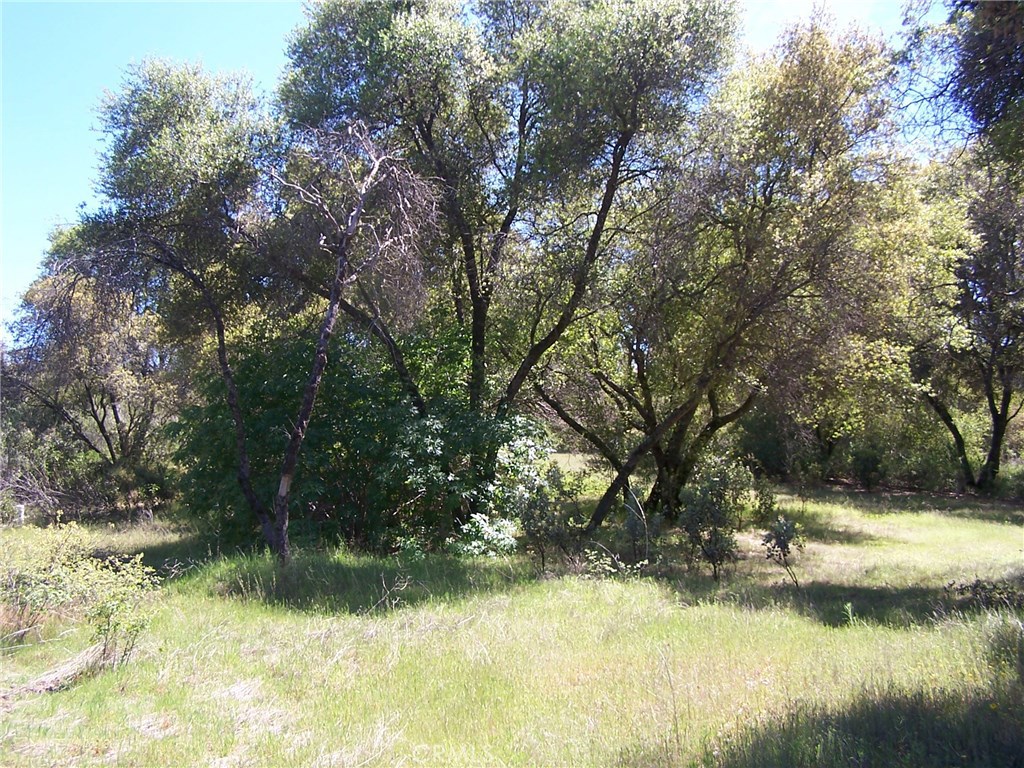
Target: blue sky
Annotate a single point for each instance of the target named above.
(59, 58)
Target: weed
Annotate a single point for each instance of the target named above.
(56, 576)
(1004, 636)
(988, 594)
(597, 561)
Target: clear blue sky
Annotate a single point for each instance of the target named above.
(59, 58)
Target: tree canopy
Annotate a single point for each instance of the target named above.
(463, 229)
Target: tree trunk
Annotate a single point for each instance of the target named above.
(165, 256)
(990, 469)
(1001, 417)
(604, 506)
(580, 281)
(587, 434)
(966, 471)
(676, 464)
(244, 473)
(298, 433)
(664, 496)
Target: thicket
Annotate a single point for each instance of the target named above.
(895, 448)
(52, 576)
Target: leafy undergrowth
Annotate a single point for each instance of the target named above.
(351, 660)
(53, 574)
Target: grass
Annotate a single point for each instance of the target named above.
(351, 660)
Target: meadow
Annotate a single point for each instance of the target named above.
(900, 647)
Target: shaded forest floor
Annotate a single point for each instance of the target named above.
(345, 660)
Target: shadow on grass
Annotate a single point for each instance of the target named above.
(328, 580)
(837, 605)
(844, 605)
(919, 729)
(833, 605)
(968, 727)
(984, 729)
(173, 553)
(889, 501)
(173, 559)
(819, 527)
(341, 582)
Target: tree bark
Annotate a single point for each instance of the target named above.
(604, 506)
(589, 435)
(298, 433)
(166, 257)
(1001, 417)
(676, 465)
(580, 278)
(966, 471)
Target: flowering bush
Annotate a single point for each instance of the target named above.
(486, 536)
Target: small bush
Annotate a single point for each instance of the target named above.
(765, 503)
(1010, 482)
(866, 462)
(780, 540)
(598, 562)
(988, 594)
(713, 506)
(554, 515)
(53, 575)
(485, 536)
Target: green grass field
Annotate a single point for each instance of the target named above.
(347, 660)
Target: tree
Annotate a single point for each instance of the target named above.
(90, 366)
(857, 409)
(204, 194)
(974, 347)
(181, 177)
(94, 368)
(537, 122)
(990, 304)
(987, 80)
(753, 262)
(349, 175)
(965, 76)
(93, 362)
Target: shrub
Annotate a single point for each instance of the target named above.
(53, 575)
(554, 515)
(988, 594)
(595, 561)
(867, 465)
(768, 437)
(712, 509)
(373, 472)
(1010, 481)
(485, 536)
(765, 503)
(780, 540)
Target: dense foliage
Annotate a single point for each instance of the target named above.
(465, 232)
